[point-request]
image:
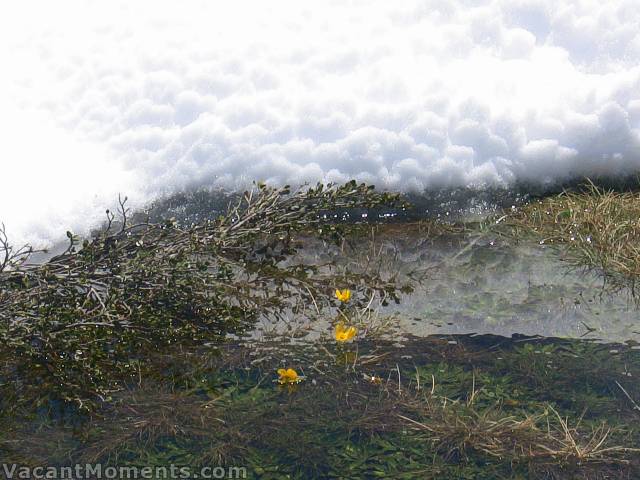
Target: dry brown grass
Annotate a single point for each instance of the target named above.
(547, 439)
(599, 230)
(143, 417)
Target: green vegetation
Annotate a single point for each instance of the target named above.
(482, 407)
(79, 327)
(138, 346)
(598, 229)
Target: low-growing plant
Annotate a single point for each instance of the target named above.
(79, 326)
(598, 230)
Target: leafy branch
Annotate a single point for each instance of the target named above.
(79, 326)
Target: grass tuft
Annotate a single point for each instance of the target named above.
(598, 229)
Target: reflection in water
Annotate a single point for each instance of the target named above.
(500, 363)
(479, 283)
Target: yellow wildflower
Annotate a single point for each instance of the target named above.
(288, 376)
(343, 295)
(344, 333)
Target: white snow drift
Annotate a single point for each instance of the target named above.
(151, 97)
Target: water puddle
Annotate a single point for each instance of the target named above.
(477, 283)
(500, 363)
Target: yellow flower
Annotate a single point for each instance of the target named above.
(343, 295)
(288, 376)
(344, 333)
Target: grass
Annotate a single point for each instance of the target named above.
(479, 412)
(477, 407)
(458, 430)
(598, 229)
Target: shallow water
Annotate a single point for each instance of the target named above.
(495, 333)
(479, 283)
(523, 289)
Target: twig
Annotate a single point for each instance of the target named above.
(635, 405)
